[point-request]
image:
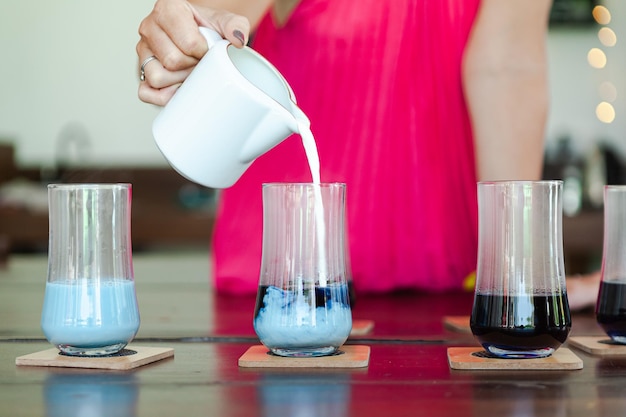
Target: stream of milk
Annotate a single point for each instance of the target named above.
(308, 141)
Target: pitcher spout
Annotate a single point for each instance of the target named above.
(268, 133)
(300, 120)
(275, 127)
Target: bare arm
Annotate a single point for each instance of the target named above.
(170, 33)
(506, 88)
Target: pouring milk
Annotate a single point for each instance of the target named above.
(205, 136)
(232, 108)
(312, 156)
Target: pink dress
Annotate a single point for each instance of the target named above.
(381, 84)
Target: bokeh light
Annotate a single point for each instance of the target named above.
(605, 112)
(607, 36)
(596, 58)
(602, 15)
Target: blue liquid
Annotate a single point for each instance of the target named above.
(291, 323)
(86, 315)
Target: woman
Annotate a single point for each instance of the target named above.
(411, 102)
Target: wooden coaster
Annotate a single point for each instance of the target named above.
(600, 346)
(467, 359)
(361, 327)
(129, 358)
(457, 323)
(352, 356)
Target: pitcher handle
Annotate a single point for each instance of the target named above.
(211, 36)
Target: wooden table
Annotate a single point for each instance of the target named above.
(408, 373)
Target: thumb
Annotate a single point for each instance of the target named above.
(231, 26)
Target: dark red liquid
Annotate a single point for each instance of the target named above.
(611, 309)
(324, 296)
(351, 293)
(520, 322)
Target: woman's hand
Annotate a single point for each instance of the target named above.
(170, 34)
(582, 291)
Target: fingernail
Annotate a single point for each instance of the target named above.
(239, 35)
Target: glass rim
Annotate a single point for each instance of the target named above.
(303, 184)
(520, 182)
(615, 187)
(89, 186)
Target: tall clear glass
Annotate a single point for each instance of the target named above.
(611, 304)
(520, 303)
(90, 307)
(303, 306)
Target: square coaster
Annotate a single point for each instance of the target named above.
(351, 356)
(473, 358)
(129, 358)
(457, 323)
(361, 327)
(600, 346)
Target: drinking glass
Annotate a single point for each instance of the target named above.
(90, 307)
(520, 303)
(611, 304)
(303, 307)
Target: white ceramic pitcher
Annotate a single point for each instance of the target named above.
(233, 107)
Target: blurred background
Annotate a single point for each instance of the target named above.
(69, 111)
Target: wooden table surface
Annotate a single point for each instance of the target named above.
(408, 374)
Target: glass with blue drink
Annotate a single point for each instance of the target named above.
(303, 306)
(520, 302)
(611, 304)
(90, 307)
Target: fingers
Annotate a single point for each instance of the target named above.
(158, 84)
(156, 75)
(582, 292)
(160, 97)
(235, 28)
(170, 33)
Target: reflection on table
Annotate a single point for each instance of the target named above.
(408, 372)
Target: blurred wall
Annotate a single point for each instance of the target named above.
(577, 88)
(69, 78)
(69, 71)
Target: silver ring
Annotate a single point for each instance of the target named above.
(142, 75)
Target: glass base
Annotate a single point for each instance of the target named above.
(511, 353)
(91, 351)
(621, 339)
(305, 352)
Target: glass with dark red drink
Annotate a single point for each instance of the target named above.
(520, 303)
(611, 305)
